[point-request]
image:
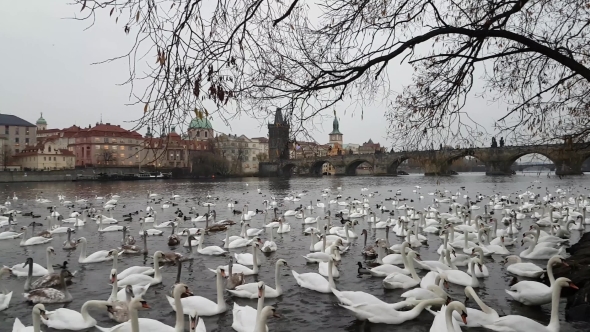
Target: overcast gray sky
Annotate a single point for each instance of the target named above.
(46, 67)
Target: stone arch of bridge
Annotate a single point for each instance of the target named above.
(521, 154)
(352, 166)
(316, 167)
(288, 169)
(472, 153)
(392, 167)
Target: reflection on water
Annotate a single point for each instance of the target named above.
(301, 309)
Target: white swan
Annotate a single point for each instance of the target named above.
(250, 290)
(239, 268)
(34, 240)
(527, 269)
(481, 317)
(147, 270)
(10, 235)
(400, 280)
(270, 245)
(68, 319)
(21, 270)
(530, 292)
(113, 228)
(444, 322)
(246, 318)
(136, 324)
(386, 313)
(38, 312)
(315, 281)
(142, 279)
(95, 257)
(5, 297)
(516, 323)
(204, 306)
(461, 278)
(247, 258)
(210, 250)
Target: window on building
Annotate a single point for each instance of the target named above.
(106, 140)
(205, 134)
(122, 147)
(44, 158)
(106, 147)
(16, 150)
(54, 158)
(114, 147)
(17, 130)
(122, 155)
(198, 133)
(16, 140)
(26, 140)
(6, 129)
(27, 131)
(64, 158)
(49, 148)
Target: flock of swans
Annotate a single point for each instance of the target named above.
(470, 230)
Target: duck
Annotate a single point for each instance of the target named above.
(68, 319)
(517, 323)
(95, 257)
(251, 290)
(143, 279)
(51, 295)
(530, 292)
(204, 306)
(38, 313)
(20, 270)
(5, 296)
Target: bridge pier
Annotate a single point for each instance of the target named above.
(570, 166)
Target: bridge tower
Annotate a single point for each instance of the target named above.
(278, 138)
(336, 138)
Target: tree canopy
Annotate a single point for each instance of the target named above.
(229, 57)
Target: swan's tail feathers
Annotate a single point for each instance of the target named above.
(171, 301)
(296, 276)
(434, 313)
(214, 271)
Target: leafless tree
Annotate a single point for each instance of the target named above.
(235, 57)
(6, 156)
(107, 158)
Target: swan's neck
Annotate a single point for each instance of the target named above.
(255, 259)
(484, 307)
(84, 311)
(226, 245)
(259, 307)
(29, 277)
(449, 317)
(423, 304)
(260, 323)
(201, 240)
(36, 322)
(135, 320)
(157, 273)
(179, 327)
(220, 301)
(330, 277)
(116, 261)
(114, 291)
(278, 287)
(474, 280)
(412, 270)
(405, 258)
(83, 251)
(550, 273)
(554, 322)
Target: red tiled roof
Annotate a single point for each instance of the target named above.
(106, 130)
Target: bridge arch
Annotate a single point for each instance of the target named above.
(468, 155)
(392, 168)
(288, 169)
(515, 157)
(317, 167)
(353, 165)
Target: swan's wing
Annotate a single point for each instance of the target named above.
(513, 323)
(249, 287)
(101, 254)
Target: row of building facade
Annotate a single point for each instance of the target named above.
(28, 146)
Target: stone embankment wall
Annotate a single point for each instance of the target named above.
(60, 175)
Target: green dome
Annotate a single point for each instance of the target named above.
(41, 121)
(197, 123)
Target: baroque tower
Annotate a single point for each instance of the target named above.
(278, 138)
(336, 137)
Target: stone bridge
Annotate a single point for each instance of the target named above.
(567, 159)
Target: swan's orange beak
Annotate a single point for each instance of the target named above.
(145, 305)
(223, 273)
(564, 263)
(113, 278)
(464, 317)
(259, 292)
(573, 286)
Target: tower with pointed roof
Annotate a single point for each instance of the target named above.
(278, 138)
(41, 123)
(336, 137)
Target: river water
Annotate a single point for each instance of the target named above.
(300, 308)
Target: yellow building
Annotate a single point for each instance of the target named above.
(45, 156)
